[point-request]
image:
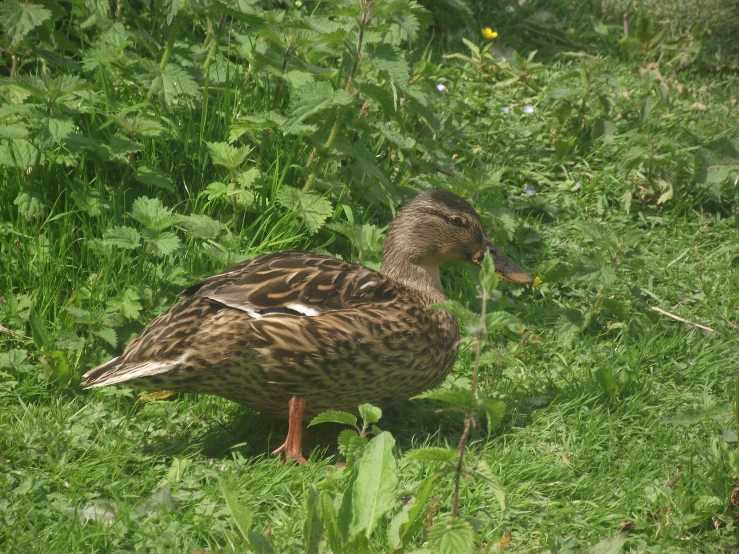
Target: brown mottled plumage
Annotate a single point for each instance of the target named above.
(297, 333)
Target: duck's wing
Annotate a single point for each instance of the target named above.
(289, 283)
(296, 282)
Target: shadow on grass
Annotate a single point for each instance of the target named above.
(254, 435)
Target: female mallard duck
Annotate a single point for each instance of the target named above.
(294, 333)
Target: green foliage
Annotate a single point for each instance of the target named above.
(243, 519)
(454, 536)
(334, 416)
(145, 147)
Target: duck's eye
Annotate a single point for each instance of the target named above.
(456, 221)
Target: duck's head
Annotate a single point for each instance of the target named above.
(439, 226)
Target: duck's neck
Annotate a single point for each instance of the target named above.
(420, 278)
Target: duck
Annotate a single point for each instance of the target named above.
(295, 333)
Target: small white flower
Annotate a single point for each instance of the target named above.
(510, 9)
(528, 109)
(441, 88)
(505, 109)
(578, 184)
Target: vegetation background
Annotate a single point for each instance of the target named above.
(144, 145)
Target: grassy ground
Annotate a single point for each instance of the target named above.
(596, 442)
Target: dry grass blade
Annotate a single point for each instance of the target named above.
(683, 320)
(13, 333)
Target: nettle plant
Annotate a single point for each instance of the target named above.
(189, 130)
(363, 506)
(328, 93)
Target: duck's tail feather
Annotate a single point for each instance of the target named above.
(118, 371)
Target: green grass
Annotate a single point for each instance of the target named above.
(589, 448)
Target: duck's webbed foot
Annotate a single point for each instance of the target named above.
(290, 449)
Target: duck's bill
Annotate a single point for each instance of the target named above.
(504, 267)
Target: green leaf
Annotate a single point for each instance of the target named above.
(18, 153)
(260, 544)
(298, 78)
(140, 126)
(20, 18)
(152, 214)
(55, 130)
(351, 445)
(386, 58)
(172, 8)
(312, 525)
(230, 157)
(162, 244)
(249, 19)
(717, 161)
(122, 237)
(248, 178)
(38, 330)
(154, 177)
(240, 513)
(434, 454)
(176, 471)
(311, 99)
(394, 540)
(56, 366)
(312, 208)
(459, 397)
(174, 81)
(30, 204)
(67, 340)
(108, 335)
(201, 226)
(485, 472)
(494, 410)
(88, 199)
(230, 193)
(498, 320)
(334, 416)
(454, 536)
(255, 122)
(488, 278)
(379, 185)
(606, 380)
(401, 141)
(374, 488)
(370, 414)
(13, 131)
(571, 322)
(331, 523)
(128, 304)
(382, 96)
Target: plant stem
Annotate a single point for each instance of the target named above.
(469, 416)
(170, 45)
(213, 38)
(336, 112)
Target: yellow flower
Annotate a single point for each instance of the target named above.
(537, 281)
(488, 33)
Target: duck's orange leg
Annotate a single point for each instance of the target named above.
(290, 449)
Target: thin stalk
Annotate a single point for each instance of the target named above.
(212, 41)
(278, 87)
(336, 112)
(275, 104)
(170, 45)
(469, 416)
